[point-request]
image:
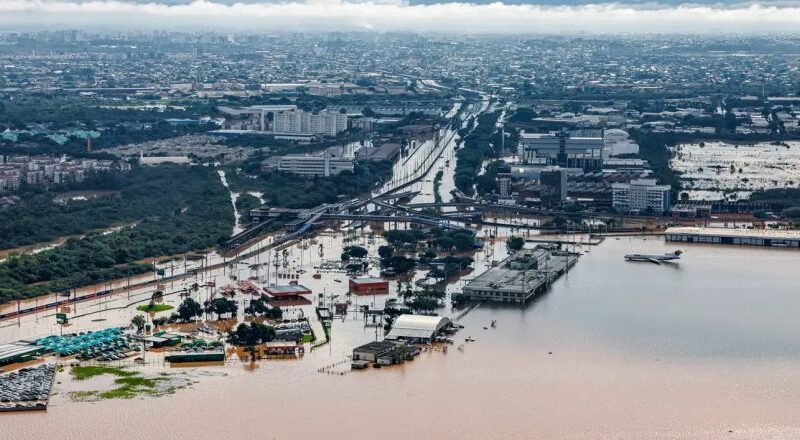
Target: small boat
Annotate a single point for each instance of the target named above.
(316, 276)
(469, 339)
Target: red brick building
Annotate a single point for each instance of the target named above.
(369, 286)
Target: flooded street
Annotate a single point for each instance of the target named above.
(237, 227)
(638, 351)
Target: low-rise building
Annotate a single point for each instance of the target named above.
(419, 328)
(368, 286)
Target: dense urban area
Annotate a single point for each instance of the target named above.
(359, 200)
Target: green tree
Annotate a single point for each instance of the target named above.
(221, 306)
(385, 251)
(514, 244)
(138, 322)
(189, 309)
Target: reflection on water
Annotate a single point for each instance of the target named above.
(615, 349)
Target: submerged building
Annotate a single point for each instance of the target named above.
(734, 236)
(419, 328)
(521, 276)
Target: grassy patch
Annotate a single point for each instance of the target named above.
(130, 387)
(154, 308)
(86, 372)
(129, 384)
(308, 338)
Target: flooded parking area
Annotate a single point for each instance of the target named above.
(717, 170)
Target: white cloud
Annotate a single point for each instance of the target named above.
(392, 15)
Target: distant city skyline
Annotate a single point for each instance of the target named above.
(481, 17)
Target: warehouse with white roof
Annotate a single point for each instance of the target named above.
(418, 328)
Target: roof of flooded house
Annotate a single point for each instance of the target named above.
(291, 288)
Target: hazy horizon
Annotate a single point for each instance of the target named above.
(573, 17)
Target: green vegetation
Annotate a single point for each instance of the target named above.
(124, 198)
(154, 308)
(252, 334)
(87, 372)
(189, 310)
(459, 299)
(119, 125)
(354, 252)
(292, 191)
(244, 204)
(785, 199)
(653, 149)
(385, 251)
(129, 383)
(221, 306)
(139, 322)
(259, 307)
(130, 387)
(515, 243)
(483, 141)
(486, 183)
(435, 238)
(188, 210)
(437, 181)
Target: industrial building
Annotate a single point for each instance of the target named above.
(617, 142)
(641, 195)
(388, 151)
(368, 286)
(521, 276)
(382, 353)
(177, 357)
(735, 236)
(419, 328)
(565, 149)
(19, 352)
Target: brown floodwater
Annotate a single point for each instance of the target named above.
(704, 349)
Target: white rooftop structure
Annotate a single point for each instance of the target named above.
(158, 160)
(417, 327)
(785, 234)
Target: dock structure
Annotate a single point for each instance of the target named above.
(735, 236)
(522, 276)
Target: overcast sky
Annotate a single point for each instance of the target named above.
(391, 15)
